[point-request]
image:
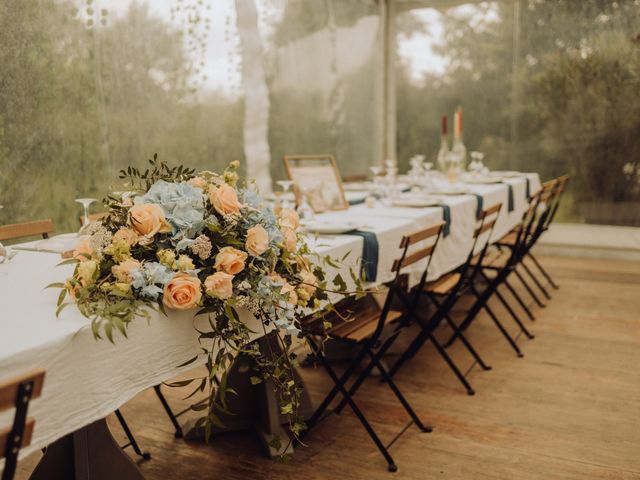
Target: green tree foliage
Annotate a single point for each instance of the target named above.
(84, 94)
(558, 94)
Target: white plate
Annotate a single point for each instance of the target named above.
(357, 186)
(331, 228)
(506, 173)
(453, 190)
(416, 201)
(482, 180)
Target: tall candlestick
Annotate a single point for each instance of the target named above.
(443, 129)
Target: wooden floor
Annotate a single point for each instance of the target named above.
(570, 409)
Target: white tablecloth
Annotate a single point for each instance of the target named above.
(391, 223)
(86, 380)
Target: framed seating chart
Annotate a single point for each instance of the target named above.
(317, 179)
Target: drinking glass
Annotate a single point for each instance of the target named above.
(305, 212)
(286, 186)
(85, 202)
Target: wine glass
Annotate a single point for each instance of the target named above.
(286, 186)
(85, 202)
(304, 210)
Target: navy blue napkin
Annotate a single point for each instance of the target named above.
(446, 217)
(370, 252)
(480, 204)
(510, 204)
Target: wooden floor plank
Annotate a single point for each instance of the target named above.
(570, 409)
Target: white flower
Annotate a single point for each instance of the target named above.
(201, 247)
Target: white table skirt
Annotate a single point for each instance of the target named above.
(87, 379)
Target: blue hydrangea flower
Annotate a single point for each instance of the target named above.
(182, 204)
(150, 279)
(257, 213)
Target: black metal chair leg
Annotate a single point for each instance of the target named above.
(367, 370)
(170, 414)
(409, 352)
(390, 462)
(536, 281)
(468, 345)
(376, 361)
(348, 373)
(529, 289)
(513, 314)
(504, 332)
(443, 353)
(132, 440)
(519, 300)
(543, 271)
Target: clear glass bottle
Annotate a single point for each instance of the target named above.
(441, 159)
(458, 147)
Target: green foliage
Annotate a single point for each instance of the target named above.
(557, 95)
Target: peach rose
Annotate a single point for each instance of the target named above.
(148, 219)
(182, 292)
(289, 291)
(126, 235)
(82, 249)
(230, 260)
(257, 240)
(198, 182)
(290, 239)
(289, 218)
(219, 285)
(224, 199)
(122, 271)
(309, 281)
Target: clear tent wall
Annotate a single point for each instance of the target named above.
(91, 86)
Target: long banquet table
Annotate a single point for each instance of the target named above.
(87, 379)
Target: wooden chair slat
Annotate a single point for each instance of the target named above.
(444, 284)
(413, 258)
(428, 232)
(346, 327)
(367, 329)
(486, 226)
(9, 388)
(491, 210)
(19, 230)
(26, 436)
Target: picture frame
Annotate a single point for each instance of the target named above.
(317, 177)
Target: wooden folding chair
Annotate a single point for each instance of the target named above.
(444, 293)
(501, 264)
(364, 331)
(562, 182)
(28, 229)
(549, 201)
(17, 393)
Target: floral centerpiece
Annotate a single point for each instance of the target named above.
(180, 241)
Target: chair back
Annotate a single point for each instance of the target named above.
(534, 219)
(429, 236)
(485, 224)
(27, 229)
(17, 393)
(561, 185)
